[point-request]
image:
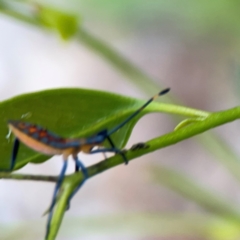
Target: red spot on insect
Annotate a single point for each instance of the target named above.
(42, 134)
(32, 129)
(54, 138)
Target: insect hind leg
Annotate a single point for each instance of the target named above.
(119, 152)
(56, 190)
(114, 150)
(78, 165)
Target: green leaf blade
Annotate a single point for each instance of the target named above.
(69, 113)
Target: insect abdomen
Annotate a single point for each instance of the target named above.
(35, 137)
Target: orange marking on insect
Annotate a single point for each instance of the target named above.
(34, 144)
(32, 129)
(42, 134)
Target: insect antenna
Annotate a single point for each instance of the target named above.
(138, 111)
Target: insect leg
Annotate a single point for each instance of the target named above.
(76, 167)
(79, 164)
(113, 146)
(102, 150)
(101, 136)
(14, 155)
(106, 135)
(58, 185)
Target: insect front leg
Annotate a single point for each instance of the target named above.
(113, 149)
(14, 156)
(56, 190)
(14, 153)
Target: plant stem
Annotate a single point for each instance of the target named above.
(170, 178)
(28, 177)
(179, 110)
(214, 120)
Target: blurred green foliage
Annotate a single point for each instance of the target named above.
(216, 17)
(66, 24)
(215, 21)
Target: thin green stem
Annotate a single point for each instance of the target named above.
(28, 177)
(178, 110)
(8, 11)
(214, 120)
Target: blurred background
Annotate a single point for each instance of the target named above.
(190, 46)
